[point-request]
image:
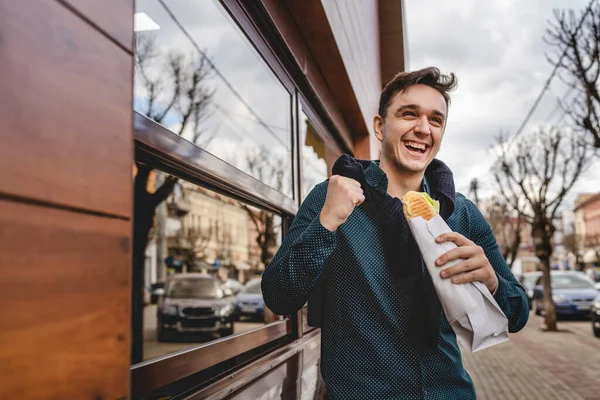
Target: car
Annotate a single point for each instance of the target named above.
(193, 303)
(573, 294)
(249, 301)
(528, 280)
(232, 287)
(596, 316)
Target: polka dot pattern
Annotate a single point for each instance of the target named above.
(364, 348)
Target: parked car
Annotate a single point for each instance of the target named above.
(573, 293)
(232, 287)
(596, 316)
(528, 281)
(249, 301)
(193, 303)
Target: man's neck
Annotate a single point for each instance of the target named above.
(400, 181)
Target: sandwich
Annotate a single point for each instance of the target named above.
(419, 204)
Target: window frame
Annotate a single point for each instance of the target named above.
(163, 149)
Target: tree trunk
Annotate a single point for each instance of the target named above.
(542, 235)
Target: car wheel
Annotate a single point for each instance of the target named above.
(161, 335)
(226, 331)
(596, 328)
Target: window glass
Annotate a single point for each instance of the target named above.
(199, 76)
(314, 165)
(201, 280)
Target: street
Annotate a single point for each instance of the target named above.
(154, 349)
(540, 365)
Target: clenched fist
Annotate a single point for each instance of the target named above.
(343, 194)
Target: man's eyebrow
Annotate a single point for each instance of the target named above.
(439, 113)
(408, 107)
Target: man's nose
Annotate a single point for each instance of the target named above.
(422, 126)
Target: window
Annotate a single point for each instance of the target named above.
(198, 75)
(314, 155)
(202, 267)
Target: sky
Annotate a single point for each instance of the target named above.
(497, 51)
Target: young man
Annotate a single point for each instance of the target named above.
(384, 335)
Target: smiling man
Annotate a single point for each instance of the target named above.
(384, 335)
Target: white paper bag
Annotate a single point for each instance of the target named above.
(472, 311)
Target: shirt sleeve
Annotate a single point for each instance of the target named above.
(510, 295)
(294, 272)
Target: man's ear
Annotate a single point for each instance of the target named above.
(378, 127)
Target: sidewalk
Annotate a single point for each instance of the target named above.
(539, 365)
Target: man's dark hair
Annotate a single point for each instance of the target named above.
(431, 77)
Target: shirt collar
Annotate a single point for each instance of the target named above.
(377, 178)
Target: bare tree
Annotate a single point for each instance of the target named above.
(578, 38)
(574, 244)
(534, 179)
(174, 85)
(270, 169)
(500, 217)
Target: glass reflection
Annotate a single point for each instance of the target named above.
(199, 76)
(203, 258)
(314, 166)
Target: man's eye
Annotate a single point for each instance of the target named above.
(409, 114)
(437, 120)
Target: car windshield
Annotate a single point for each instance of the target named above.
(194, 289)
(253, 288)
(571, 282)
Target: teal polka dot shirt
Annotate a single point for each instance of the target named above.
(364, 348)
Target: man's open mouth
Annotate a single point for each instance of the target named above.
(414, 147)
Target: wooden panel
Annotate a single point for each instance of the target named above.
(66, 110)
(154, 374)
(355, 27)
(115, 17)
(66, 304)
(391, 39)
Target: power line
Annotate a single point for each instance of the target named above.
(219, 74)
(551, 77)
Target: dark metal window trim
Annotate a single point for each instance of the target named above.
(157, 143)
(151, 375)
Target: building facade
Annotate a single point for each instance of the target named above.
(228, 112)
(587, 228)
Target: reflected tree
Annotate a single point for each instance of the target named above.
(270, 169)
(174, 88)
(534, 180)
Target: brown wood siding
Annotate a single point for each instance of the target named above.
(65, 290)
(65, 201)
(355, 27)
(114, 17)
(66, 110)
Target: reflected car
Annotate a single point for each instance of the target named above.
(573, 293)
(193, 303)
(528, 281)
(249, 301)
(232, 287)
(596, 316)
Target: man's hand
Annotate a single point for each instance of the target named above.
(343, 194)
(475, 265)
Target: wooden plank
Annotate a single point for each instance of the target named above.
(114, 17)
(66, 110)
(65, 288)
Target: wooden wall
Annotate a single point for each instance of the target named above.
(65, 198)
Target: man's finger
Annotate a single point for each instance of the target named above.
(463, 266)
(468, 277)
(455, 237)
(456, 254)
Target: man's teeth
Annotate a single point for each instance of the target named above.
(417, 146)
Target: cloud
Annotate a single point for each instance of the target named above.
(497, 50)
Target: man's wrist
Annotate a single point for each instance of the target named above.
(330, 226)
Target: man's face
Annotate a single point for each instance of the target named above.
(412, 129)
